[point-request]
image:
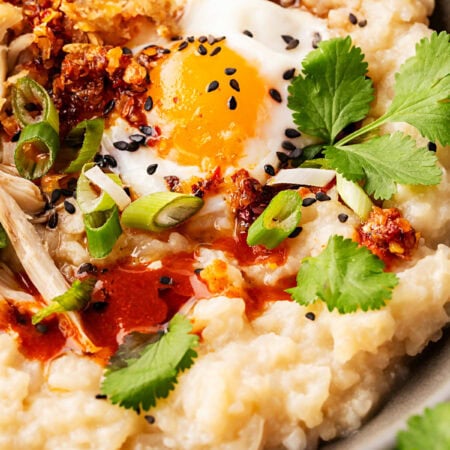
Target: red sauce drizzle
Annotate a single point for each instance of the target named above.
(246, 255)
(135, 298)
(43, 342)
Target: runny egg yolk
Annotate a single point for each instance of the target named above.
(207, 102)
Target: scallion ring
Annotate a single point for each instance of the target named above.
(102, 231)
(88, 136)
(277, 221)
(36, 150)
(89, 197)
(160, 211)
(75, 298)
(31, 103)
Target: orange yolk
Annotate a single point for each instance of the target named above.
(206, 115)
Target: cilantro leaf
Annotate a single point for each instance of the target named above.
(345, 277)
(429, 431)
(140, 372)
(384, 161)
(333, 91)
(422, 89)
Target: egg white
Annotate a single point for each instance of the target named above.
(266, 51)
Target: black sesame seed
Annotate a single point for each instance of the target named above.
(248, 33)
(343, 217)
(230, 71)
(109, 107)
(362, 23)
(215, 51)
(147, 130)
(232, 103)
(101, 397)
(99, 306)
(286, 38)
(41, 328)
(322, 197)
(269, 170)
(288, 145)
(295, 233)
(220, 39)
(310, 316)
(165, 51)
(139, 138)
(202, 39)
(317, 38)
(275, 95)
(202, 50)
(283, 158)
(183, 45)
(69, 207)
(53, 220)
(191, 39)
(212, 86)
(235, 85)
(293, 44)
(176, 38)
(151, 169)
(121, 145)
(296, 153)
(87, 268)
(110, 161)
(432, 146)
(308, 201)
(352, 19)
(292, 133)
(166, 280)
(198, 270)
(149, 419)
(289, 74)
(126, 51)
(148, 105)
(16, 136)
(132, 146)
(98, 159)
(55, 196)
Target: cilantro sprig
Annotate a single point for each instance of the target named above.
(334, 92)
(146, 367)
(345, 277)
(430, 431)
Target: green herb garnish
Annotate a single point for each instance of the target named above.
(146, 367)
(345, 277)
(334, 92)
(430, 431)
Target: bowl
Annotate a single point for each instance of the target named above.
(429, 381)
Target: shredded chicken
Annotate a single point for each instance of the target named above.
(38, 264)
(24, 192)
(9, 16)
(10, 289)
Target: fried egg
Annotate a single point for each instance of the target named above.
(218, 95)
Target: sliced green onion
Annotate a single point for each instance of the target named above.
(277, 221)
(353, 195)
(3, 237)
(102, 231)
(91, 199)
(29, 96)
(74, 299)
(106, 184)
(36, 150)
(160, 211)
(88, 135)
